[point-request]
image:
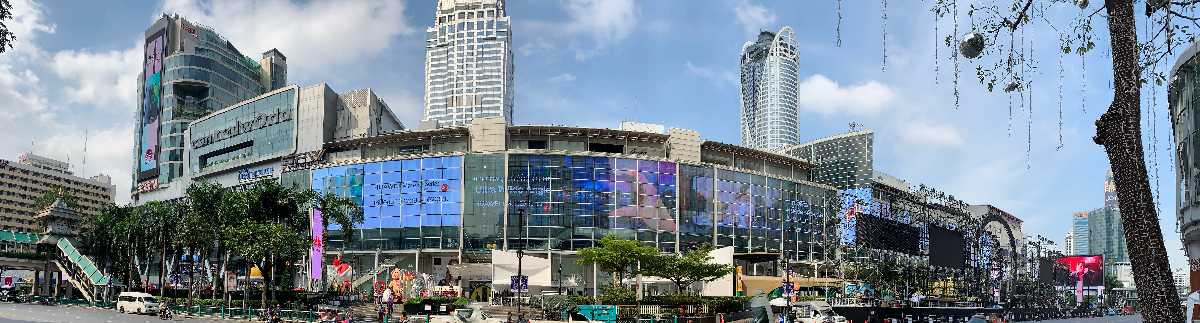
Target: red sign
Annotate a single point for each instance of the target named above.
(148, 185)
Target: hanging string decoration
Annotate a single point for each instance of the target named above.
(954, 56)
(883, 18)
(838, 27)
(937, 12)
(1061, 72)
(1028, 122)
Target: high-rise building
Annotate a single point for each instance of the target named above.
(189, 72)
(843, 161)
(1069, 243)
(32, 176)
(1079, 234)
(1106, 235)
(1110, 193)
(468, 63)
(1184, 87)
(769, 76)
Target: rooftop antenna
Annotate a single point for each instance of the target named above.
(83, 169)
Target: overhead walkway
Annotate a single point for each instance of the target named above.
(80, 270)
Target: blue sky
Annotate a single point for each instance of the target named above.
(596, 63)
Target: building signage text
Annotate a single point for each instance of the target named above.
(251, 174)
(258, 121)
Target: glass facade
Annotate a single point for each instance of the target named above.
(564, 202)
(407, 204)
(193, 75)
(769, 78)
(257, 130)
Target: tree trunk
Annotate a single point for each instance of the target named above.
(1119, 131)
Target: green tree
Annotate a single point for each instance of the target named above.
(6, 36)
(1119, 128)
(52, 195)
(616, 256)
(693, 266)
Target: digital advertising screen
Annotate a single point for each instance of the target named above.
(1088, 270)
(879, 233)
(945, 247)
(151, 106)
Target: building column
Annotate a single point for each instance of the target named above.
(1193, 252)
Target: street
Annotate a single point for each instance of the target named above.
(25, 313)
(1107, 319)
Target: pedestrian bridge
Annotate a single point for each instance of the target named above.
(79, 270)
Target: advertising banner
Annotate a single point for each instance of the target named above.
(1085, 272)
(315, 254)
(151, 106)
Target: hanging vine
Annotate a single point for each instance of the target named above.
(936, 14)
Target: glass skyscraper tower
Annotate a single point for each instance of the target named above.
(468, 63)
(769, 74)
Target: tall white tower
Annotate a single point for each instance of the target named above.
(769, 76)
(468, 62)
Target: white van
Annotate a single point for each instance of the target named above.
(135, 302)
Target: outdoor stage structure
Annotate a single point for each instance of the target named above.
(916, 238)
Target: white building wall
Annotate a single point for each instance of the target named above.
(468, 62)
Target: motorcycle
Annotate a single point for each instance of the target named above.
(164, 313)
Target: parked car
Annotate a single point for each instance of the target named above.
(136, 302)
(816, 312)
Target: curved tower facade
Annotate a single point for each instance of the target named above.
(188, 72)
(769, 76)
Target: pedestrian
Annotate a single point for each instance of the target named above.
(385, 305)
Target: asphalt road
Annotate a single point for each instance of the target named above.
(28, 313)
(1106, 319)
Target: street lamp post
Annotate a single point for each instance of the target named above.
(520, 256)
(787, 311)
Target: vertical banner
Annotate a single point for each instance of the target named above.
(151, 106)
(315, 254)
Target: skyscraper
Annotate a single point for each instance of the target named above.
(1079, 234)
(1069, 243)
(1110, 193)
(769, 76)
(468, 63)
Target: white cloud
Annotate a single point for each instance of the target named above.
(537, 45)
(27, 22)
(925, 134)
(605, 21)
(101, 78)
(406, 105)
(311, 34)
(561, 78)
(21, 102)
(109, 152)
(719, 78)
(753, 17)
(819, 94)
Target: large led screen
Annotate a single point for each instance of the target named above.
(945, 247)
(151, 106)
(855, 202)
(878, 233)
(407, 193)
(1084, 271)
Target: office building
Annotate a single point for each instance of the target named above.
(1069, 243)
(188, 72)
(468, 63)
(1183, 88)
(31, 176)
(1110, 193)
(844, 161)
(1079, 234)
(769, 77)
(1106, 235)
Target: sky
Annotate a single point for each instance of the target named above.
(72, 79)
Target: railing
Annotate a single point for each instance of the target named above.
(93, 273)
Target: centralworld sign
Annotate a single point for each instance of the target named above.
(258, 121)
